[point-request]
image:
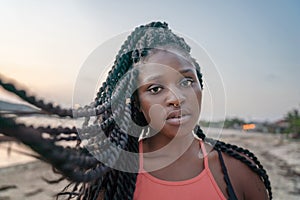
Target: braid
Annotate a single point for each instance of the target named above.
(110, 187)
(122, 56)
(48, 108)
(71, 162)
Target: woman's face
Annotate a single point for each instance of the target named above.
(169, 94)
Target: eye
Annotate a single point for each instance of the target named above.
(154, 89)
(186, 82)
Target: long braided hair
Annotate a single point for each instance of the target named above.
(111, 125)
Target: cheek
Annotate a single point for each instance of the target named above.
(155, 115)
(196, 99)
(199, 97)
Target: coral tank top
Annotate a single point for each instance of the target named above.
(203, 186)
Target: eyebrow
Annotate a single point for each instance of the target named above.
(184, 71)
(155, 77)
(151, 78)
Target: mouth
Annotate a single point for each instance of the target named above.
(177, 117)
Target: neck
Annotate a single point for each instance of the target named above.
(173, 145)
(162, 151)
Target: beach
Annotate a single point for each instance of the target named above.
(280, 156)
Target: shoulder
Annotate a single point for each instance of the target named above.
(245, 181)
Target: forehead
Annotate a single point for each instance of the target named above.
(166, 63)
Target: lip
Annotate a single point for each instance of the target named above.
(177, 117)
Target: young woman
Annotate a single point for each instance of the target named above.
(145, 134)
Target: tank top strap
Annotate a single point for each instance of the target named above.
(141, 162)
(205, 157)
(230, 190)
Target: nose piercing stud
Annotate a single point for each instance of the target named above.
(176, 105)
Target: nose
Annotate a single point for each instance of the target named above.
(175, 97)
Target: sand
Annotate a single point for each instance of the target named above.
(25, 181)
(280, 157)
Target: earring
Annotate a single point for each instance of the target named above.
(145, 133)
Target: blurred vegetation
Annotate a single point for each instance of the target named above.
(293, 120)
(289, 124)
(234, 123)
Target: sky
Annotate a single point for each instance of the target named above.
(253, 47)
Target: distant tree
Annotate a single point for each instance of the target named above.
(233, 123)
(293, 119)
